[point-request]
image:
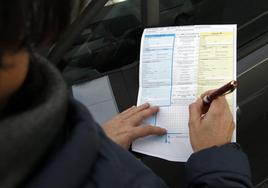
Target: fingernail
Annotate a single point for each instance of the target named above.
(146, 104)
(165, 131)
(155, 107)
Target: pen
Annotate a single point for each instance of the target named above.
(224, 90)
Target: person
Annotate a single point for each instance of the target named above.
(47, 139)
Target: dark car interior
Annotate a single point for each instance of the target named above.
(104, 40)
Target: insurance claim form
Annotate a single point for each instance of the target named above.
(177, 64)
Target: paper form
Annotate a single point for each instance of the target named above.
(177, 64)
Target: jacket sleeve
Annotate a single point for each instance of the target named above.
(225, 166)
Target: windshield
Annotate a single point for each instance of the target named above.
(111, 40)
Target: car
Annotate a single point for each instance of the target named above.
(104, 41)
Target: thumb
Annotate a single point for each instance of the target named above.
(147, 130)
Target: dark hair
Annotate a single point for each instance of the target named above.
(35, 21)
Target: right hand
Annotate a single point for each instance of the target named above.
(215, 128)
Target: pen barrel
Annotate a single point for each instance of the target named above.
(216, 94)
(205, 107)
(207, 100)
(227, 88)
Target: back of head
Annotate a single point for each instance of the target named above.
(24, 22)
(35, 21)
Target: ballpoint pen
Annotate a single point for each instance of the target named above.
(224, 90)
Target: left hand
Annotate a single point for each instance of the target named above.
(124, 128)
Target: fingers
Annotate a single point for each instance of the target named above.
(147, 130)
(207, 93)
(127, 111)
(134, 109)
(218, 106)
(138, 117)
(195, 111)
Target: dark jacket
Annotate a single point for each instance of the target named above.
(57, 144)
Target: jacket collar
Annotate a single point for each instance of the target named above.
(31, 122)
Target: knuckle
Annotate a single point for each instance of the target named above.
(146, 113)
(143, 106)
(151, 110)
(148, 129)
(131, 123)
(217, 112)
(121, 121)
(129, 134)
(190, 123)
(191, 106)
(140, 117)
